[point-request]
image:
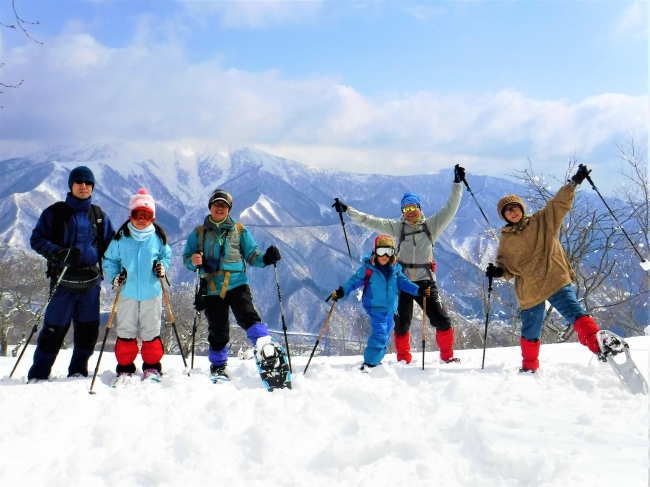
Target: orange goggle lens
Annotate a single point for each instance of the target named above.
(144, 215)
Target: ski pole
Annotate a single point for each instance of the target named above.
(644, 262)
(346, 236)
(38, 319)
(492, 231)
(108, 327)
(424, 327)
(319, 337)
(284, 323)
(487, 317)
(197, 315)
(171, 318)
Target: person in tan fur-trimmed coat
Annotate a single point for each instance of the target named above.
(530, 251)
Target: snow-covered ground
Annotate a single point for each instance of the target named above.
(449, 425)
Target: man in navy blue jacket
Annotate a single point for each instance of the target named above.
(71, 235)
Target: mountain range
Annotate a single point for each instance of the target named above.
(282, 202)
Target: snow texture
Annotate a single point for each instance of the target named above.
(453, 425)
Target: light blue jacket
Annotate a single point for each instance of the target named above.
(380, 293)
(137, 258)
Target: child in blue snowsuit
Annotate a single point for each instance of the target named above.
(382, 279)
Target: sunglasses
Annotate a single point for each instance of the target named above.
(388, 251)
(81, 181)
(408, 209)
(144, 215)
(510, 208)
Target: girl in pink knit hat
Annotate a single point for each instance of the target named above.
(137, 259)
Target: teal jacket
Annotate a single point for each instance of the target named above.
(227, 248)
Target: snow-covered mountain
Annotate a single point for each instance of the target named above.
(282, 202)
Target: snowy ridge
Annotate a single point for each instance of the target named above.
(448, 425)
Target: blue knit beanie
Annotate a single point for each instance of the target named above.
(81, 173)
(411, 199)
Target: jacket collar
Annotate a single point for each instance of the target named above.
(228, 223)
(515, 228)
(76, 204)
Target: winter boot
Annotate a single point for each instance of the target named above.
(445, 341)
(218, 374)
(586, 328)
(403, 347)
(530, 354)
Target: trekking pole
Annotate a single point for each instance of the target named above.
(645, 264)
(108, 327)
(284, 323)
(197, 315)
(487, 317)
(171, 318)
(38, 319)
(492, 231)
(424, 327)
(346, 237)
(319, 336)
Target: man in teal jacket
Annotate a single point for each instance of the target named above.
(220, 249)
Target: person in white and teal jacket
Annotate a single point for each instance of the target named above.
(136, 259)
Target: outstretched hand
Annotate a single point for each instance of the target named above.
(459, 174)
(336, 295)
(581, 174)
(493, 271)
(339, 206)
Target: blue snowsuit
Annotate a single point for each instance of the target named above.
(380, 302)
(81, 308)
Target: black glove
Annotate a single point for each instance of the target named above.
(67, 256)
(272, 255)
(120, 278)
(580, 175)
(459, 174)
(339, 206)
(158, 269)
(424, 290)
(336, 295)
(199, 302)
(493, 271)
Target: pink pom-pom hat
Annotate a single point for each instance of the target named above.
(142, 201)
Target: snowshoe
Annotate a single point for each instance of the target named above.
(152, 375)
(452, 360)
(218, 374)
(524, 370)
(616, 352)
(272, 364)
(366, 368)
(122, 379)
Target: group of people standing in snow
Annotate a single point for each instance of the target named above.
(80, 244)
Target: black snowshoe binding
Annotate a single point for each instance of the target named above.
(616, 352)
(272, 364)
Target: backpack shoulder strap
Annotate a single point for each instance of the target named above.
(240, 227)
(96, 217)
(367, 278)
(200, 239)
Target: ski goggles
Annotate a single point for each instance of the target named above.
(388, 251)
(408, 209)
(144, 215)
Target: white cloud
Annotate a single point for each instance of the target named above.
(77, 89)
(633, 22)
(254, 13)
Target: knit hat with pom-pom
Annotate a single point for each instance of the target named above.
(142, 201)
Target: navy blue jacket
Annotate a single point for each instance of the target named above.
(79, 232)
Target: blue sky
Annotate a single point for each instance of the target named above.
(392, 87)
